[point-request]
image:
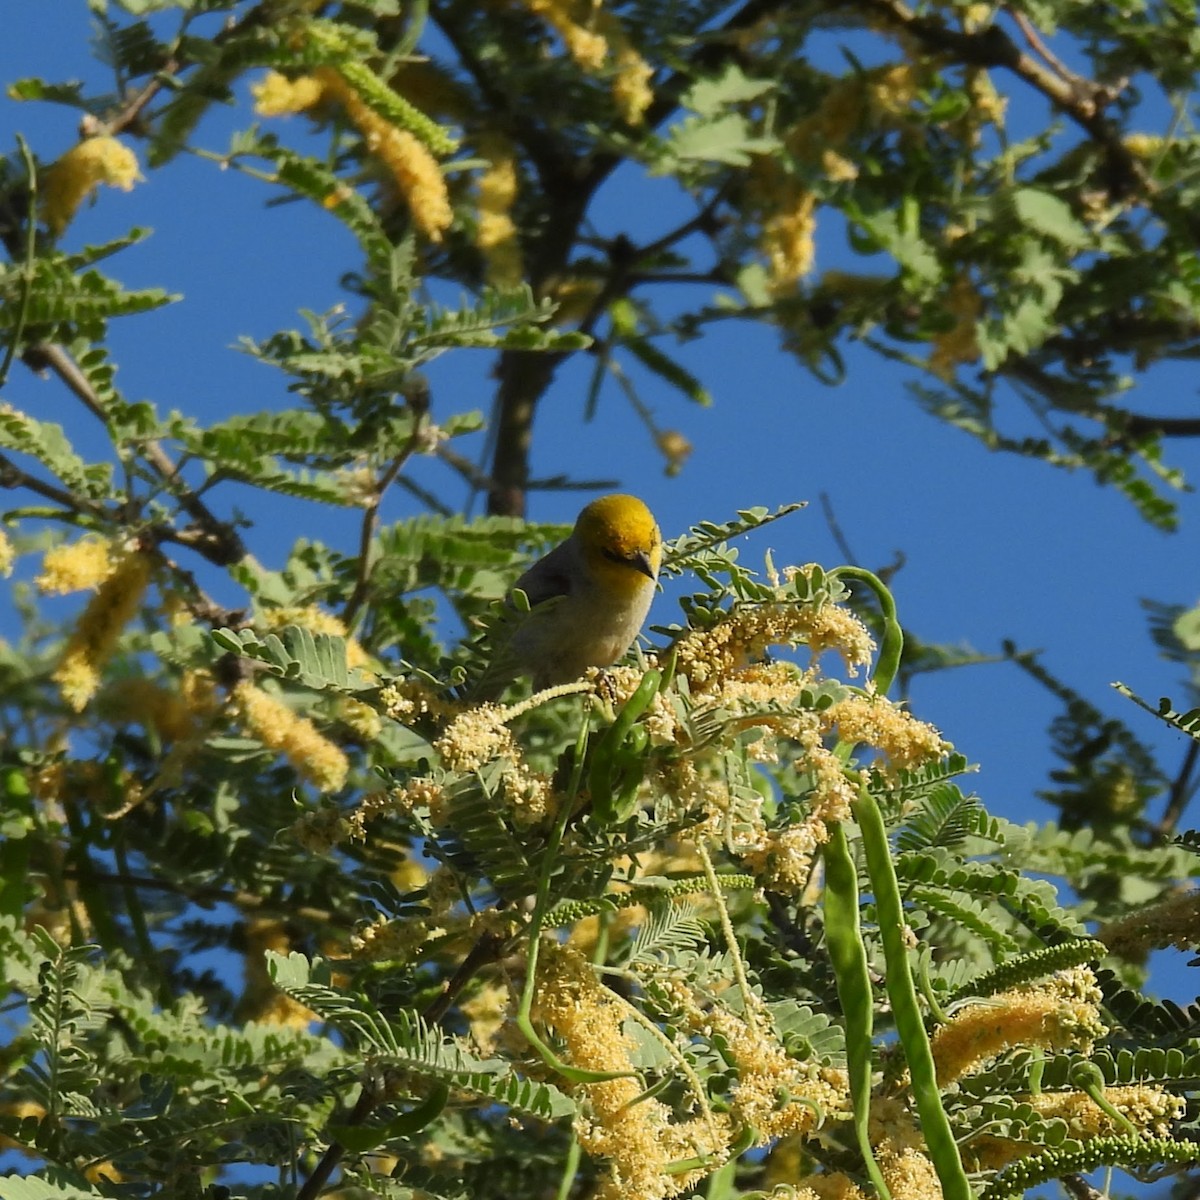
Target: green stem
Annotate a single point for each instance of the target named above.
(888, 662)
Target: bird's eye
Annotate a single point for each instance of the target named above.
(613, 556)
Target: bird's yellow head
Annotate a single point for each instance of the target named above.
(621, 543)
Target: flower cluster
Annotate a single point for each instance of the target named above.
(411, 164)
(75, 567)
(90, 645)
(496, 233)
(1060, 1012)
(311, 754)
(79, 172)
(635, 1133)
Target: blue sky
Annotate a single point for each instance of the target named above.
(995, 547)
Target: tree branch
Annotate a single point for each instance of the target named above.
(220, 544)
(1083, 101)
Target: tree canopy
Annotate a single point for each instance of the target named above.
(284, 913)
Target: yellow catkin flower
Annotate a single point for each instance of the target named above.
(776, 1095)
(361, 718)
(76, 567)
(384, 939)
(410, 162)
(783, 861)
(675, 448)
(8, 555)
(710, 656)
(876, 721)
(958, 344)
(988, 105)
(496, 233)
(631, 90)
(310, 753)
(1152, 1110)
(635, 1134)
(79, 172)
(909, 1174)
(837, 167)
(586, 47)
(261, 1000)
(172, 714)
(1060, 1012)
(487, 1012)
(891, 90)
(789, 240)
(276, 95)
(1173, 921)
(476, 737)
(95, 635)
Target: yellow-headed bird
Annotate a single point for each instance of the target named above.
(588, 598)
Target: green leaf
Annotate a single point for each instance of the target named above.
(726, 139)
(732, 86)
(32, 88)
(1046, 214)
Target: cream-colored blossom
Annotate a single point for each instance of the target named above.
(586, 47)
(174, 713)
(79, 172)
(411, 163)
(276, 95)
(783, 861)
(775, 1094)
(94, 638)
(1060, 1012)
(1171, 921)
(496, 232)
(635, 1134)
(475, 737)
(1152, 1110)
(390, 939)
(487, 1011)
(876, 721)
(76, 567)
(789, 238)
(631, 90)
(408, 700)
(320, 830)
(361, 718)
(8, 555)
(675, 448)
(310, 753)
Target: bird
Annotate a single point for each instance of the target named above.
(588, 598)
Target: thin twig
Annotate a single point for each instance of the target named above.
(835, 529)
(486, 950)
(370, 525)
(222, 544)
(1182, 788)
(11, 476)
(1040, 48)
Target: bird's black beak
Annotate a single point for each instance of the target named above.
(641, 561)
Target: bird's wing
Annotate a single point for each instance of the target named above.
(550, 576)
(545, 584)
